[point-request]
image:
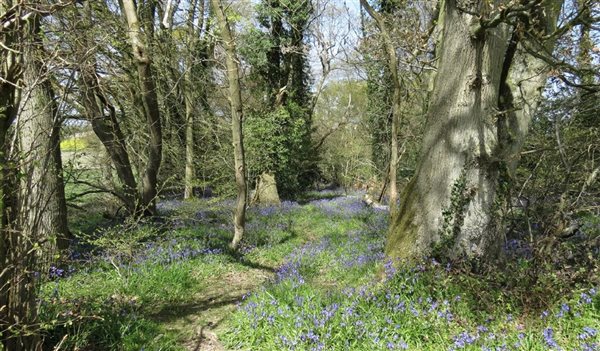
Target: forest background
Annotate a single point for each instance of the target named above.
(474, 124)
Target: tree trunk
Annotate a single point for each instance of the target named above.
(392, 62)
(394, 159)
(235, 97)
(63, 234)
(265, 192)
(150, 107)
(43, 207)
(189, 111)
(10, 72)
(189, 147)
(4, 234)
(102, 116)
(451, 204)
(275, 78)
(38, 216)
(107, 129)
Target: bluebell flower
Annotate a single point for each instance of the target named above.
(564, 309)
(463, 339)
(482, 329)
(590, 347)
(588, 332)
(549, 338)
(585, 298)
(55, 272)
(329, 311)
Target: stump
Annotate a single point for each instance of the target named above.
(265, 192)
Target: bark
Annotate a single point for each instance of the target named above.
(32, 203)
(451, 204)
(275, 78)
(237, 116)
(189, 148)
(149, 100)
(102, 116)
(43, 206)
(4, 262)
(37, 218)
(11, 73)
(63, 234)
(266, 190)
(392, 62)
(189, 124)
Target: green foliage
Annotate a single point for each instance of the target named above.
(123, 284)
(278, 128)
(142, 281)
(109, 309)
(254, 46)
(340, 119)
(279, 142)
(329, 296)
(454, 215)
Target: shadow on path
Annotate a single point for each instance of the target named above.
(198, 321)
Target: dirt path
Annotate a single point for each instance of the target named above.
(199, 322)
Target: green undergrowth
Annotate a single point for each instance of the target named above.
(340, 293)
(138, 285)
(306, 277)
(412, 310)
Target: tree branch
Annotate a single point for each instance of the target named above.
(98, 189)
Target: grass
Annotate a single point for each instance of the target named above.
(122, 288)
(308, 277)
(330, 296)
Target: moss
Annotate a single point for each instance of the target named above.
(402, 237)
(454, 215)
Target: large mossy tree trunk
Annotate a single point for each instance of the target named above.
(474, 131)
(284, 81)
(237, 116)
(149, 99)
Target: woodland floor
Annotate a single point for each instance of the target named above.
(307, 277)
(199, 322)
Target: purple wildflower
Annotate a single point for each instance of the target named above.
(56, 272)
(588, 333)
(549, 338)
